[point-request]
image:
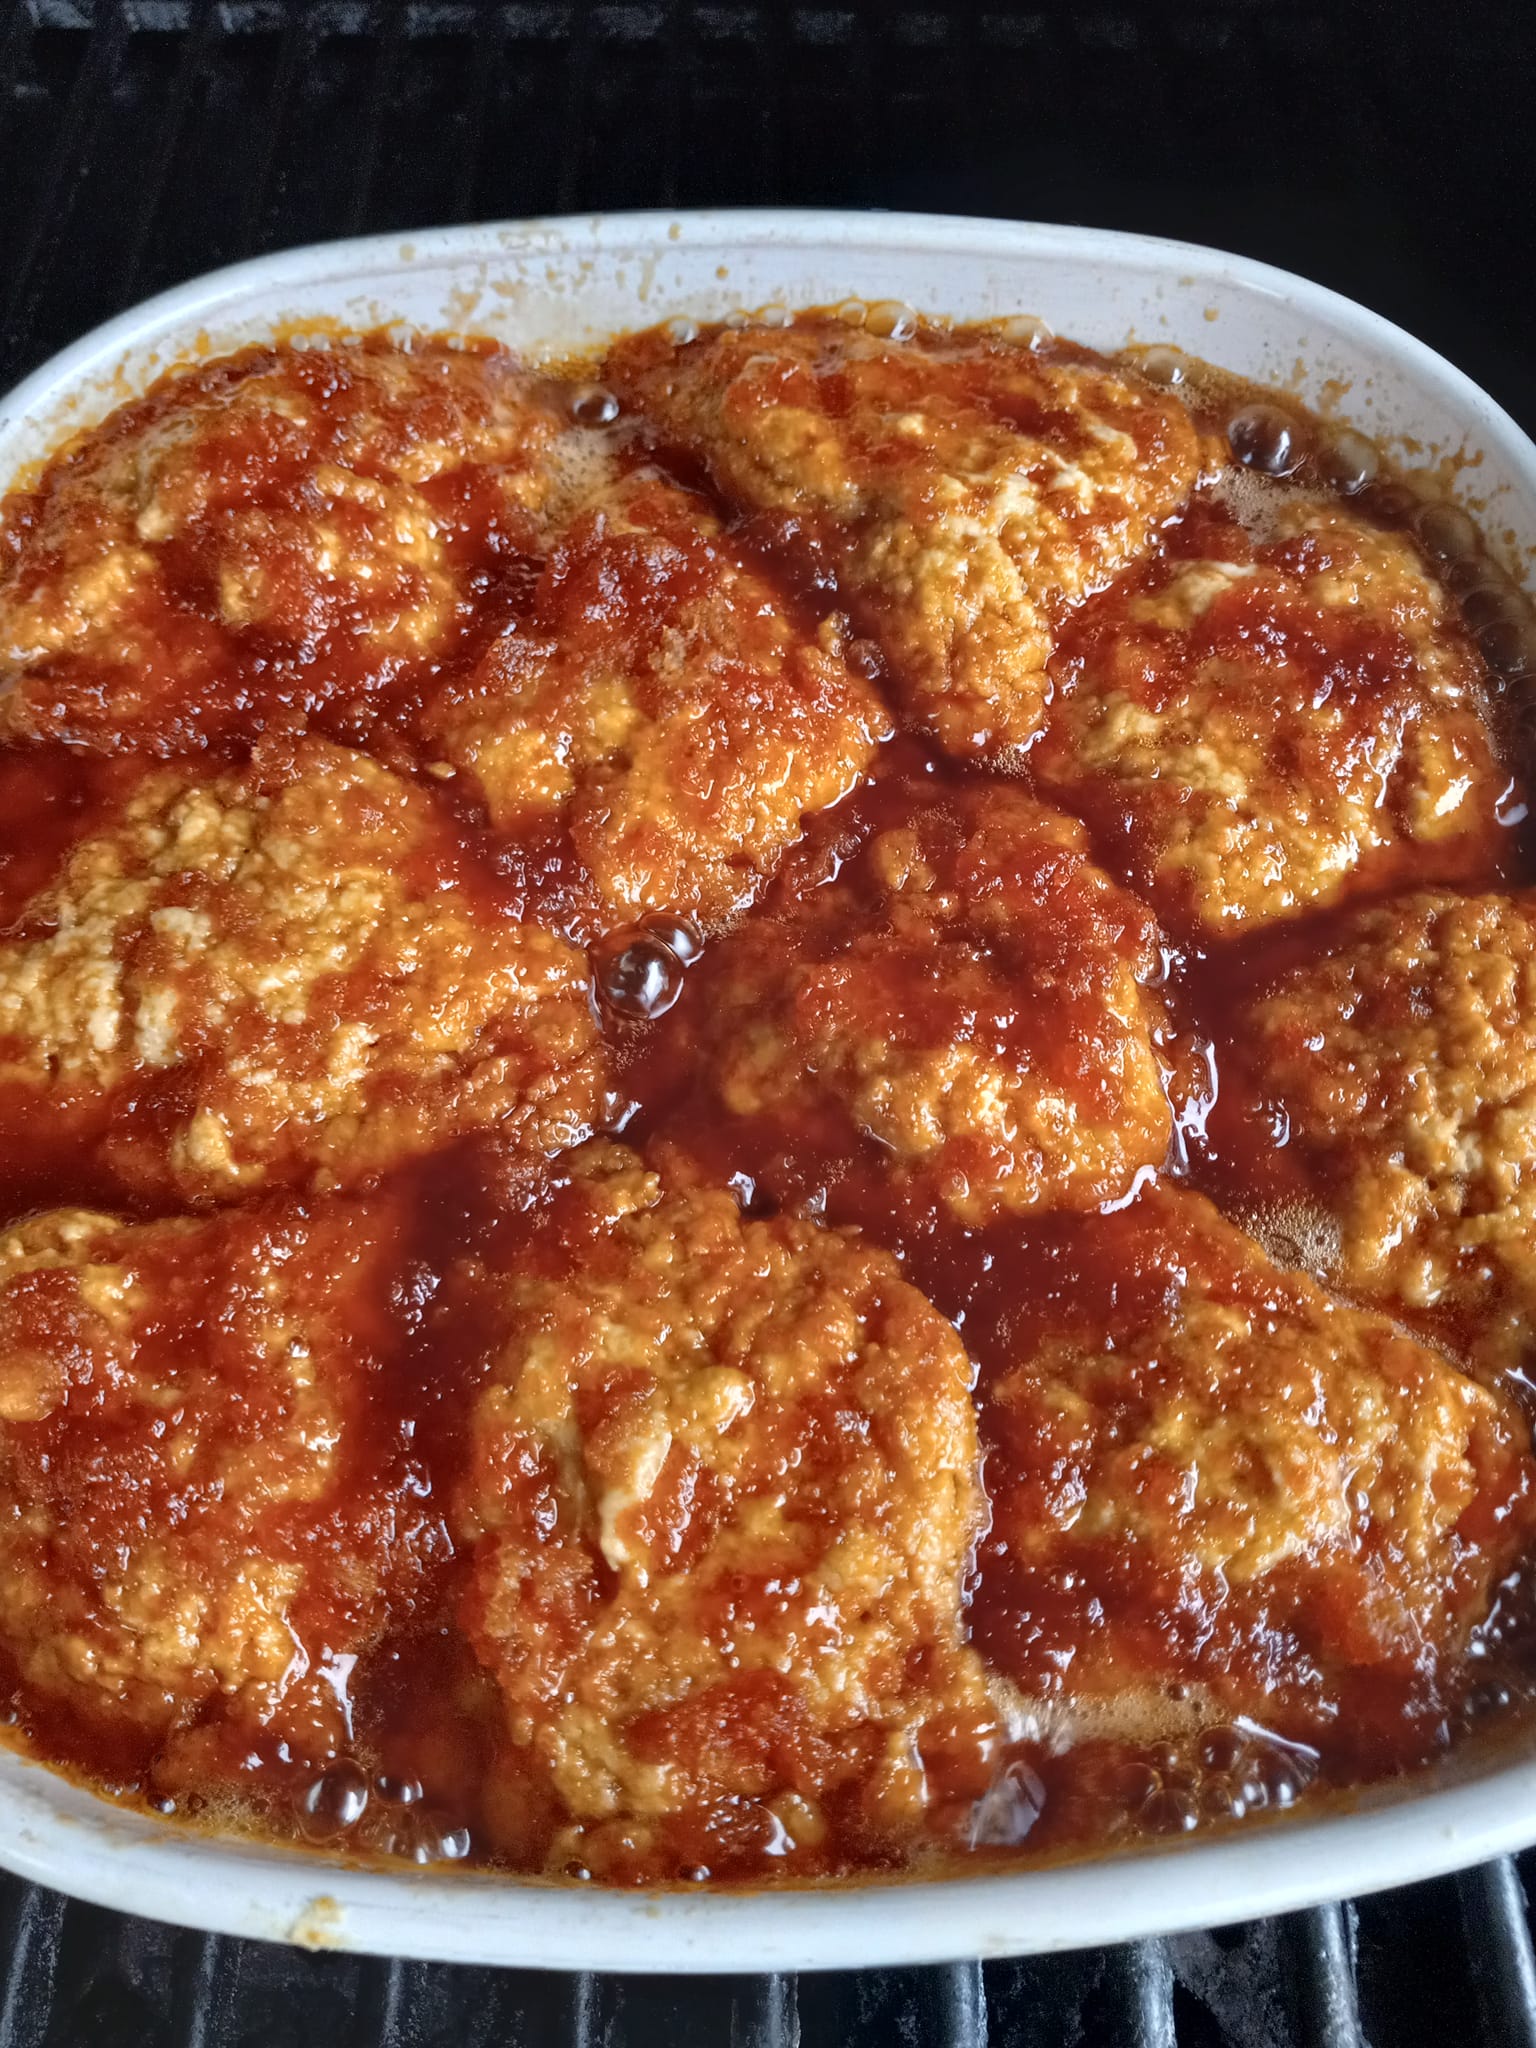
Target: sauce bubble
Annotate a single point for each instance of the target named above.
(334, 1802)
(1262, 438)
(397, 1791)
(1168, 366)
(1446, 533)
(1349, 462)
(593, 405)
(892, 319)
(1024, 329)
(1171, 1813)
(638, 976)
(680, 935)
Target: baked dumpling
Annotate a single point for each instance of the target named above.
(260, 976)
(722, 1495)
(964, 492)
(1259, 731)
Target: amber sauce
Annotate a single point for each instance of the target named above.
(420, 1719)
(1010, 1283)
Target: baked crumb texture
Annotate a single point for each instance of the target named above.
(1404, 1060)
(1267, 729)
(965, 1004)
(722, 1496)
(1025, 831)
(663, 706)
(285, 972)
(273, 531)
(969, 493)
(199, 1514)
(1220, 1476)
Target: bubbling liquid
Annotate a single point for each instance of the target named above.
(593, 405)
(1349, 463)
(333, 1802)
(422, 1779)
(1264, 439)
(892, 320)
(639, 976)
(680, 935)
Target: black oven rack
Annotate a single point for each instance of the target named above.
(1445, 1963)
(1388, 151)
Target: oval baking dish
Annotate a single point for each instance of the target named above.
(554, 289)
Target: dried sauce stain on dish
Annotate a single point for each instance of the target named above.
(663, 705)
(285, 972)
(722, 1497)
(966, 492)
(879, 1460)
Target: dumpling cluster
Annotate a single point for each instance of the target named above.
(778, 1481)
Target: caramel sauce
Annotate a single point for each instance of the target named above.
(412, 1715)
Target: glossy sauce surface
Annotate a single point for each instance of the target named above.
(925, 1037)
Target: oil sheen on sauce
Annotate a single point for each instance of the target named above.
(1198, 1708)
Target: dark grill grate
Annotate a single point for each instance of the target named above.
(142, 141)
(1446, 1962)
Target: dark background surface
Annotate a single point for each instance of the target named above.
(1389, 152)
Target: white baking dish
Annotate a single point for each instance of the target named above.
(556, 286)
